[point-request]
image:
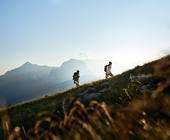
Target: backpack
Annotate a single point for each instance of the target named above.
(75, 76)
(105, 68)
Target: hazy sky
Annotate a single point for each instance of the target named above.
(51, 31)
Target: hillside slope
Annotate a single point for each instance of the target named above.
(151, 80)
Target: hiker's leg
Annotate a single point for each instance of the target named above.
(78, 83)
(106, 75)
(111, 75)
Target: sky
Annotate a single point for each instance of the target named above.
(48, 32)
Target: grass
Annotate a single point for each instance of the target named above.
(122, 97)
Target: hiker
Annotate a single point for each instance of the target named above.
(76, 77)
(107, 70)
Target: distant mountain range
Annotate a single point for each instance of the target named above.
(32, 81)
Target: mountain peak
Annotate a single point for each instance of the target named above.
(73, 59)
(27, 63)
(72, 62)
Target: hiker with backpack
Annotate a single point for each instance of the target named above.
(107, 70)
(76, 77)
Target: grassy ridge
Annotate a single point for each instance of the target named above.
(21, 113)
(116, 92)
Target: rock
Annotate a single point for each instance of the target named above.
(88, 97)
(84, 97)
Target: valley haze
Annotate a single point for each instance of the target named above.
(31, 81)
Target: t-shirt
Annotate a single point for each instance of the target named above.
(109, 67)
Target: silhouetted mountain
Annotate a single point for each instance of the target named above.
(31, 80)
(66, 70)
(30, 69)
